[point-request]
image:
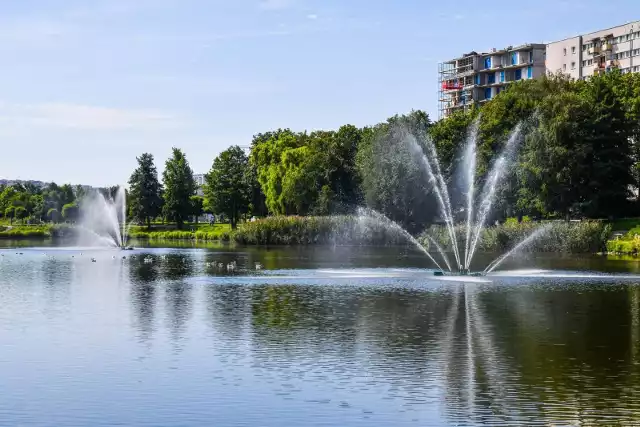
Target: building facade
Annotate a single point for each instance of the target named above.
(476, 78)
(200, 180)
(589, 54)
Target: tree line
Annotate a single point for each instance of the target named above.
(578, 158)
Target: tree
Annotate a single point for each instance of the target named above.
(197, 203)
(393, 179)
(179, 187)
(53, 215)
(227, 189)
(10, 213)
(20, 213)
(145, 202)
(70, 212)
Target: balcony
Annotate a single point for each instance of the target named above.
(607, 47)
(595, 50)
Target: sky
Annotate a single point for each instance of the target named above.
(86, 86)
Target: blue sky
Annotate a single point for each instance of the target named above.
(86, 86)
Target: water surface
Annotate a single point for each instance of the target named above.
(318, 337)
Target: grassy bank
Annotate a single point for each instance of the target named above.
(204, 232)
(42, 231)
(581, 237)
(310, 230)
(561, 237)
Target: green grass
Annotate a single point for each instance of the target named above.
(624, 224)
(190, 232)
(25, 231)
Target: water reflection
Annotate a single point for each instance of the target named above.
(375, 351)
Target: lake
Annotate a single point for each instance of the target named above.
(317, 337)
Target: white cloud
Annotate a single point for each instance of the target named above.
(276, 4)
(312, 16)
(85, 117)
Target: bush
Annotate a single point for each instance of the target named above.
(309, 230)
(563, 237)
(25, 232)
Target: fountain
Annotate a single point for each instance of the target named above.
(104, 220)
(477, 211)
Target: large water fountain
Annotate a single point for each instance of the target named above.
(477, 206)
(104, 220)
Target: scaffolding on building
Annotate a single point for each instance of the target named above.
(455, 83)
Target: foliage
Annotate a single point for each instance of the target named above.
(307, 230)
(197, 206)
(394, 181)
(228, 188)
(70, 212)
(563, 237)
(293, 170)
(203, 233)
(179, 187)
(145, 191)
(53, 215)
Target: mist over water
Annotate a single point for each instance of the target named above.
(103, 220)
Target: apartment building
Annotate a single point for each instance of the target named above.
(588, 54)
(199, 178)
(475, 78)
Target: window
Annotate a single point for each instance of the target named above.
(518, 74)
(514, 58)
(529, 72)
(487, 62)
(564, 67)
(584, 47)
(573, 65)
(491, 79)
(478, 79)
(584, 63)
(564, 51)
(573, 50)
(531, 56)
(636, 69)
(487, 93)
(502, 76)
(590, 62)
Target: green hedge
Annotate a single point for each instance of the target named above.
(563, 237)
(309, 230)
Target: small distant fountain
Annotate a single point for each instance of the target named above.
(477, 211)
(104, 220)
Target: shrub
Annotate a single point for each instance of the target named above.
(564, 237)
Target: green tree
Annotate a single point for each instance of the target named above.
(179, 186)
(20, 213)
(227, 188)
(54, 215)
(70, 212)
(10, 214)
(197, 204)
(393, 179)
(145, 202)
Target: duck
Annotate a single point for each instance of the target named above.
(93, 260)
(231, 266)
(258, 266)
(148, 260)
